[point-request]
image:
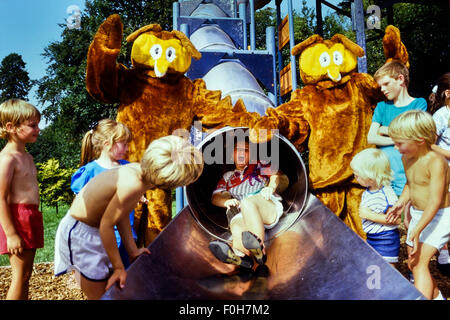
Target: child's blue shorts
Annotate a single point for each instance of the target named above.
(386, 243)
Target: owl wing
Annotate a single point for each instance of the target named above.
(102, 71)
(393, 47)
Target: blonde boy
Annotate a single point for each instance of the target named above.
(21, 225)
(428, 175)
(393, 79)
(372, 171)
(105, 201)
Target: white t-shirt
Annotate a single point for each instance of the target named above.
(378, 201)
(441, 118)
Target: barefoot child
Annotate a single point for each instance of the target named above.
(85, 239)
(248, 192)
(21, 225)
(372, 171)
(428, 175)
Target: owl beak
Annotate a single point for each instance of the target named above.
(334, 74)
(161, 67)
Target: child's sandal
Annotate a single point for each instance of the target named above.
(255, 245)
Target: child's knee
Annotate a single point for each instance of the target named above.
(247, 204)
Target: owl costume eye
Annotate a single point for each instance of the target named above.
(324, 59)
(156, 51)
(170, 54)
(338, 58)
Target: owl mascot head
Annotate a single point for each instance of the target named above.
(324, 60)
(331, 116)
(155, 97)
(161, 52)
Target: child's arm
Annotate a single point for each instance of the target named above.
(121, 204)
(445, 153)
(438, 173)
(124, 228)
(14, 242)
(224, 200)
(395, 211)
(267, 191)
(368, 214)
(374, 135)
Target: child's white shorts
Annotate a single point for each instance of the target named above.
(78, 246)
(276, 199)
(436, 233)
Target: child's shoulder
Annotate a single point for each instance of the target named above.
(130, 171)
(384, 104)
(434, 160)
(11, 156)
(419, 103)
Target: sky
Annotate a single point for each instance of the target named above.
(28, 26)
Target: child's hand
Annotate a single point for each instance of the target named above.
(143, 200)
(231, 203)
(119, 275)
(14, 244)
(414, 237)
(394, 212)
(267, 192)
(138, 253)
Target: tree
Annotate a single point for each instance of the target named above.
(14, 79)
(54, 183)
(425, 31)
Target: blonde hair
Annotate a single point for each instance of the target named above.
(105, 130)
(414, 125)
(16, 111)
(373, 164)
(393, 69)
(170, 162)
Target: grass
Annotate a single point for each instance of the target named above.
(51, 221)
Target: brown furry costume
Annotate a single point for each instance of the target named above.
(334, 110)
(155, 97)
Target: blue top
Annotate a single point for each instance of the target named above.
(85, 173)
(384, 113)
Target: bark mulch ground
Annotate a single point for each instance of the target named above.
(44, 286)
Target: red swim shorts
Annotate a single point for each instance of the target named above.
(29, 226)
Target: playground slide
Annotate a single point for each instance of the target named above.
(311, 253)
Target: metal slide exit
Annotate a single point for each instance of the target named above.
(311, 253)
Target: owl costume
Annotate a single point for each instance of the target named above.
(155, 98)
(332, 114)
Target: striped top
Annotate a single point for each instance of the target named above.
(378, 201)
(249, 181)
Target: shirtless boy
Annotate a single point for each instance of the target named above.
(106, 201)
(428, 176)
(21, 225)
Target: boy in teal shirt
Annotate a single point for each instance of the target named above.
(393, 79)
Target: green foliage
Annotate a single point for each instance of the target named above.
(54, 183)
(14, 79)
